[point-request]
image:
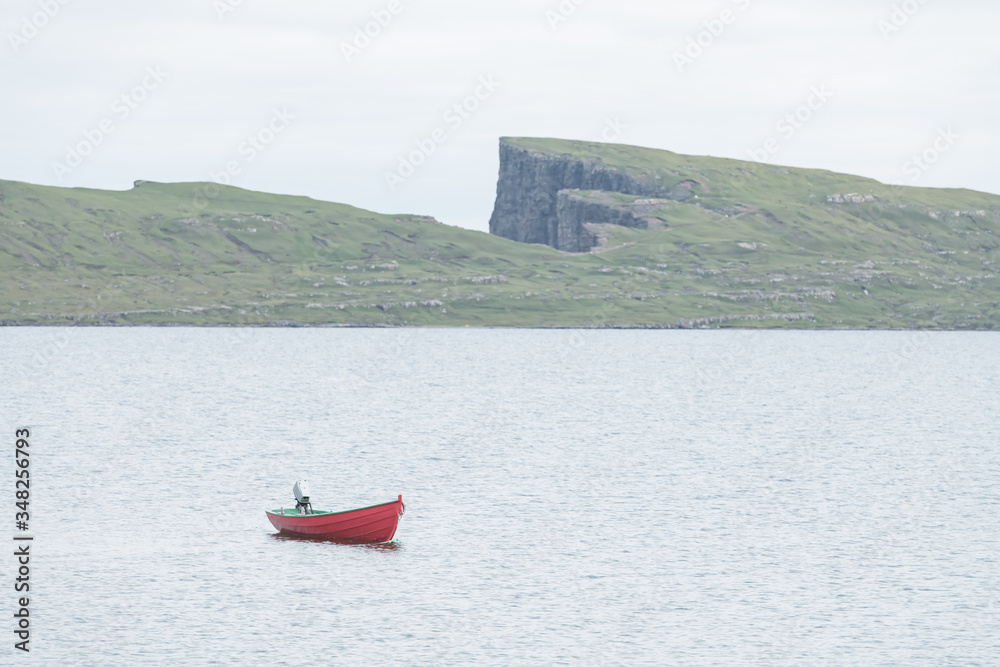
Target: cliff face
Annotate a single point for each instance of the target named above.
(576, 212)
(529, 207)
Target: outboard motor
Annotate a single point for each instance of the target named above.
(302, 503)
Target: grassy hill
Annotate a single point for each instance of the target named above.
(753, 245)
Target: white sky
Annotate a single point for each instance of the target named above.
(609, 60)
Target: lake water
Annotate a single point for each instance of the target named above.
(573, 497)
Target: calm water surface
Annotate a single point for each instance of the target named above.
(573, 497)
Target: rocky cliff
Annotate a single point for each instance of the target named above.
(538, 197)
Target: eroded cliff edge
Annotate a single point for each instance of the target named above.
(538, 197)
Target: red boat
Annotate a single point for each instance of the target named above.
(361, 526)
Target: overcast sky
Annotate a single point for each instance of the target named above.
(99, 93)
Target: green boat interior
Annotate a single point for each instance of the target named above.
(295, 512)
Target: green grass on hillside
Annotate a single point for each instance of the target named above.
(758, 246)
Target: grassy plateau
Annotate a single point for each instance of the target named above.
(755, 246)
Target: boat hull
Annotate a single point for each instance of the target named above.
(367, 525)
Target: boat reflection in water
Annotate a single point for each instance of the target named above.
(395, 545)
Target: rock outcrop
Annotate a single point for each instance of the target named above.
(538, 197)
(576, 212)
